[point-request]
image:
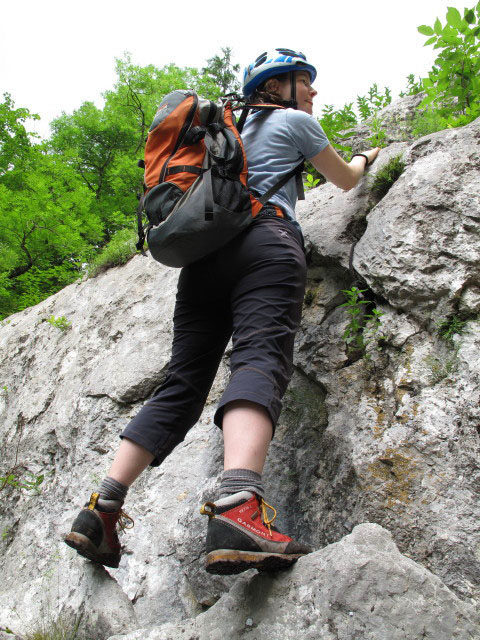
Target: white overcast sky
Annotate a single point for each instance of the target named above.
(56, 54)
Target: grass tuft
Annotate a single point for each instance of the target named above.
(117, 252)
(447, 328)
(387, 176)
(63, 628)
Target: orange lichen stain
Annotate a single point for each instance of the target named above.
(396, 472)
(379, 427)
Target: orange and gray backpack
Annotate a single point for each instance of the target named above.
(196, 195)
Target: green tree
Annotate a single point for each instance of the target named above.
(103, 145)
(94, 143)
(15, 141)
(453, 84)
(222, 72)
(46, 227)
(139, 90)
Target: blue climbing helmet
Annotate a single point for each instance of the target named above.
(273, 63)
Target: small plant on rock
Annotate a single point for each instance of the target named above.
(428, 121)
(378, 137)
(310, 181)
(413, 87)
(336, 123)
(59, 629)
(373, 102)
(363, 327)
(29, 482)
(387, 176)
(60, 323)
(447, 328)
(441, 368)
(310, 295)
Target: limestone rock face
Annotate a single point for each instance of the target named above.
(421, 250)
(360, 587)
(385, 433)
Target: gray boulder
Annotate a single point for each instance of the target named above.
(360, 587)
(387, 434)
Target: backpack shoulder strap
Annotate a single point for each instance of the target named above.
(259, 107)
(297, 172)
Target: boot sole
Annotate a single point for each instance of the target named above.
(85, 547)
(228, 562)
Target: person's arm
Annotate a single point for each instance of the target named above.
(340, 173)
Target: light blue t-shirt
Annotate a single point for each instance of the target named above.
(275, 142)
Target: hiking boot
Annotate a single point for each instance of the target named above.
(94, 535)
(240, 536)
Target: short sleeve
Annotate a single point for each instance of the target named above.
(306, 133)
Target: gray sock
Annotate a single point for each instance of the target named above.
(235, 480)
(110, 489)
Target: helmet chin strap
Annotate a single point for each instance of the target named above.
(293, 91)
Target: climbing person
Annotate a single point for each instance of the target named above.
(250, 290)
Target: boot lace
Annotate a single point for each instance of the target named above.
(266, 520)
(125, 521)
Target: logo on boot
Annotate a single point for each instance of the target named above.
(249, 526)
(243, 509)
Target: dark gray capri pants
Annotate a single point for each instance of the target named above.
(251, 290)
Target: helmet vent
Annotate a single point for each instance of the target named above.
(290, 52)
(260, 60)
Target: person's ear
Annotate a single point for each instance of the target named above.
(272, 86)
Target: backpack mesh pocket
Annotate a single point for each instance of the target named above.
(160, 201)
(229, 193)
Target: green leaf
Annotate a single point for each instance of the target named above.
(425, 31)
(454, 18)
(452, 40)
(430, 41)
(448, 31)
(428, 99)
(469, 16)
(454, 56)
(476, 32)
(438, 27)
